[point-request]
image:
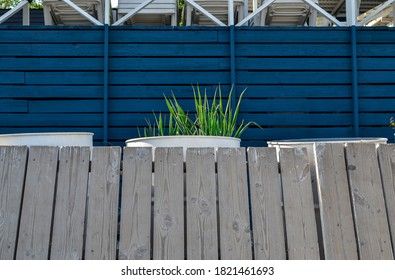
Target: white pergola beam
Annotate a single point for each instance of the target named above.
(375, 13)
(13, 11)
(107, 12)
(132, 12)
(82, 12)
(205, 12)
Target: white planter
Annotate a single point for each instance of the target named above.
(185, 142)
(47, 139)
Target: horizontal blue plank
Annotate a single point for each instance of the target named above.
(51, 64)
(40, 120)
(51, 91)
(131, 35)
(7, 77)
(64, 78)
(376, 35)
(378, 132)
(376, 63)
(51, 50)
(199, 49)
(291, 77)
(297, 91)
(296, 133)
(292, 63)
(387, 90)
(291, 35)
(54, 35)
(376, 119)
(377, 77)
(374, 49)
(169, 78)
(171, 64)
(253, 49)
(377, 104)
(13, 105)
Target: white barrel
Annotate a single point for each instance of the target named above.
(47, 139)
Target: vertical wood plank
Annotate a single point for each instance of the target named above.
(168, 243)
(70, 203)
(235, 231)
(135, 231)
(367, 195)
(201, 199)
(36, 217)
(335, 206)
(12, 177)
(387, 167)
(266, 204)
(300, 221)
(102, 215)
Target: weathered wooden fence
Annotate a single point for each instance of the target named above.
(77, 203)
(301, 82)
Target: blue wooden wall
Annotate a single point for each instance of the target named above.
(300, 80)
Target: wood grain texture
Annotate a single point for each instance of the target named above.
(266, 204)
(335, 205)
(168, 243)
(201, 203)
(12, 178)
(135, 234)
(70, 204)
(387, 168)
(373, 235)
(38, 199)
(235, 230)
(102, 215)
(300, 221)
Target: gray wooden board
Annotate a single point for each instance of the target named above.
(266, 204)
(70, 203)
(387, 167)
(102, 215)
(168, 235)
(300, 221)
(201, 203)
(235, 231)
(36, 216)
(335, 205)
(12, 177)
(136, 204)
(367, 195)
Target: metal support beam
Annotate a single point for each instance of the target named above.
(132, 12)
(323, 12)
(13, 11)
(375, 13)
(83, 13)
(257, 11)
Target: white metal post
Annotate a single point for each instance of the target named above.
(26, 15)
(231, 18)
(107, 12)
(351, 12)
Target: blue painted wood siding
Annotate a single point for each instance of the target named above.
(299, 80)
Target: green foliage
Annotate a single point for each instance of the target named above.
(392, 122)
(8, 4)
(215, 119)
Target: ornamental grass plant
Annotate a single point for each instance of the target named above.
(214, 117)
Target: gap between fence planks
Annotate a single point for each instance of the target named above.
(247, 209)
